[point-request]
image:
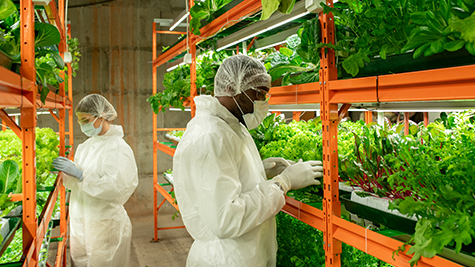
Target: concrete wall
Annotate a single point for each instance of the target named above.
(116, 45)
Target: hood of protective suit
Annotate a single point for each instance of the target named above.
(100, 227)
(225, 201)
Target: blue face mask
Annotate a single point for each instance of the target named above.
(89, 130)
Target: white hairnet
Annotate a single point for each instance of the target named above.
(97, 106)
(238, 74)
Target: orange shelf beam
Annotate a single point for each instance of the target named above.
(359, 90)
(166, 195)
(308, 93)
(10, 123)
(164, 148)
(54, 101)
(233, 16)
(453, 83)
(379, 246)
(428, 85)
(47, 212)
(13, 88)
(305, 213)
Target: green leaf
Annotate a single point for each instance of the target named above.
(286, 6)
(9, 171)
(57, 59)
(437, 46)
(470, 48)
(382, 53)
(286, 51)
(454, 45)
(7, 7)
(460, 13)
(419, 51)
(46, 35)
(465, 26)
(419, 18)
(350, 64)
(269, 7)
(293, 41)
(399, 128)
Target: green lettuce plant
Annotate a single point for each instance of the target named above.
(204, 10)
(271, 6)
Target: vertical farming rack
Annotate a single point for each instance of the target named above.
(335, 98)
(21, 91)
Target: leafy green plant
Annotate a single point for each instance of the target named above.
(204, 10)
(177, 89)
(177, 134)
(14, 251)
(298, 62)
(265, 132)
(47, 142)
(7, 7)
(10, 181)
(73, 48)
(368, 28)
(439, 29)
(48, 68)
(177, 82)
(271, 6)
(300, 244)
(436, 166)
(48, 62)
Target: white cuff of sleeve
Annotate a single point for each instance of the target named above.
(282, 182)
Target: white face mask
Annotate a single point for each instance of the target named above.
(254, 119)
(89, 130)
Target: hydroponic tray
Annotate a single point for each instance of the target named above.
(406, 63)
(173, 139)
(13, 223)
(169, 177)
(390, 220)
(12, 264)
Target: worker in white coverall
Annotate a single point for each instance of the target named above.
(227, 204)
(102, 178)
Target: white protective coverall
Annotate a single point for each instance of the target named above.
(226, 202)
(100, 227)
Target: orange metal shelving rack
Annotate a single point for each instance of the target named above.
(429, 85)
(20, 91)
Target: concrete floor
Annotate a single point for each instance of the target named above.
(170, 251)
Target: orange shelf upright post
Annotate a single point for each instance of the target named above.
(70, 97)
(296, 115)
(154, 125)
(330, 120)
(28, 124)
(63, 227)
(368, 117)
(193, 89)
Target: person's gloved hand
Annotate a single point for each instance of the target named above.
(300, 175)
(65, 165)
(275, 166)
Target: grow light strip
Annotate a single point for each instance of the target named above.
(176, 22)
(264, 30)
(271, 45)
(174, 67)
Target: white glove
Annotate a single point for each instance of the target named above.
(300, 175)
(65, 165)
(275, 166)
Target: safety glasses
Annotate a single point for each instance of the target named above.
(85, 120)
(261, 94)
